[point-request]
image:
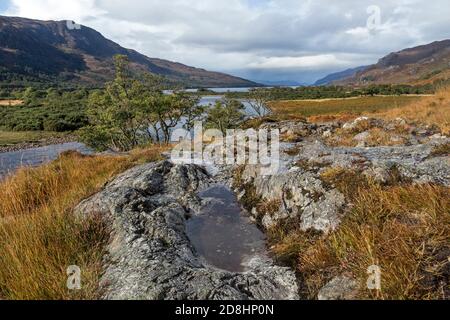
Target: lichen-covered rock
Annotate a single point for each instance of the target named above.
(340, 288)
(414, 162)
(150, 255)
(301, 194)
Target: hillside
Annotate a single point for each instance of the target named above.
(49, 51)
(329, 79)
(419, 65)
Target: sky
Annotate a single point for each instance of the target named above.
(271, 40)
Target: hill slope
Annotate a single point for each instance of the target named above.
(42, 51)
(329, 79)
(419, 65)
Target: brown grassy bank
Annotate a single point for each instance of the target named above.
(39, 235)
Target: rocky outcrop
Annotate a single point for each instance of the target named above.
(297, 192)
(300, 194)
(151, 257)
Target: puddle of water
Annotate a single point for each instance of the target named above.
(222, 235)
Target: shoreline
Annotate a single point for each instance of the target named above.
(37, 144)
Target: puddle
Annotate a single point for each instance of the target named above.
(222, 234)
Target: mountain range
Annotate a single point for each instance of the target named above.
(416, 66)
(63, 52)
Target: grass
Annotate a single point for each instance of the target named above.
(433, 111)
(8, 138)
(402, 228)
(339, 107)
(441, 150)
(39, 234)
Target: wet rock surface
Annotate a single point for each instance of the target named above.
(150, 255)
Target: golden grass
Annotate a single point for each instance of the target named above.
(441, 150)
(39, 234)
(402, 228)
(434, 110)
(339, 107)
(10, 103)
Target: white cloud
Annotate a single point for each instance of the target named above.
(282, 38)
(306, 62)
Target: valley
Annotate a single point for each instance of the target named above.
(125, 175)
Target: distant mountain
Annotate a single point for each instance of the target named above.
(419, 65)
(57, 51)
(281, 83)
(329, 79)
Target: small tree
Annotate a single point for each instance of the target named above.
(132, 111)
(226, 114)
(259, 100)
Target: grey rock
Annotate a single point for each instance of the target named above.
(414, 162)
(340, 288)
(302, 195)
(150, 256)
(361, 137)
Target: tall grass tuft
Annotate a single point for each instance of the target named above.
(40, 237)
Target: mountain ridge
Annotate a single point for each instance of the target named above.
(36, 50)
(332, 77)
(418, 65)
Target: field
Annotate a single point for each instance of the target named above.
(354, 106)
(10, 103)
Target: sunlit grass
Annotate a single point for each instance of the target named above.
(39, 234)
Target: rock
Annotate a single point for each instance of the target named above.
(151, 257)
(327, 134)
(302, 195)
(370, 123)
(340, 288)
(401, 122)
(412, 161)
(362, 137)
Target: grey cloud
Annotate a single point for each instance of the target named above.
(237, 35)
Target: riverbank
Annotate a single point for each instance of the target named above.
(15, 141)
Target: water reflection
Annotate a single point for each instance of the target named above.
(222, 235)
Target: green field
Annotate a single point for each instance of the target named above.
(359, 105)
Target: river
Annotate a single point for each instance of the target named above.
(11, 161)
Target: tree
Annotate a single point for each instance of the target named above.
(133, 110)
(226, 114)
(259, 100)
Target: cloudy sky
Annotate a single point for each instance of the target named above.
(299, 40)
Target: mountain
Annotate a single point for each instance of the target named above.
(281, 83)
(60, 51)
(329, 79)
(419, 65)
